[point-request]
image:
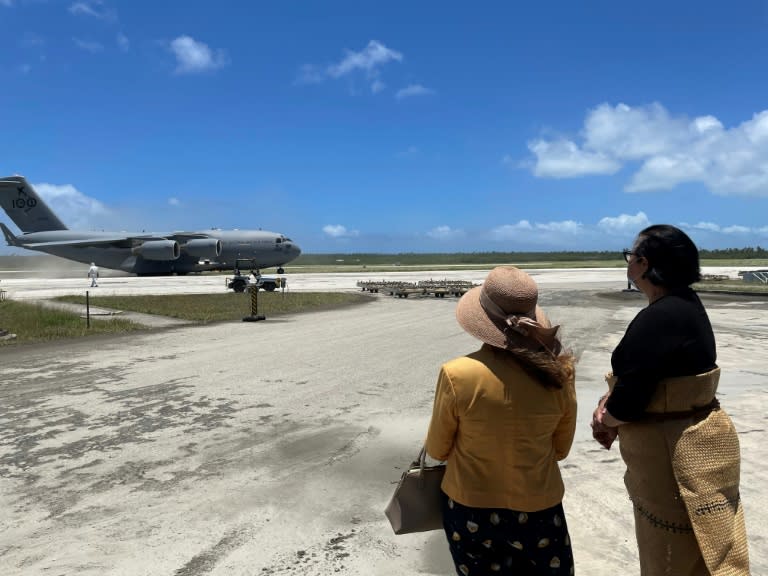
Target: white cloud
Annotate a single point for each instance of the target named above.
(193, 56)
(564, 227)
(708, 226)
(413, 90)
(339, 231)
(445, 233)
(540, 234)
(731, 230)
(757, 128)
(633, 133)
(666, 172)
(369, 60)
(374, 55)
(94, 8)
(88, 46)
(509, 231)
(174, 201)
(624, 223)
(122, 42)
(737, 230)
(563, 159)
(670, 150)
(611, 233)
(74, 208)
(704, 124)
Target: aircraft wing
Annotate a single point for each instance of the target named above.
(92, 242)
(181, 236)
(99, 241)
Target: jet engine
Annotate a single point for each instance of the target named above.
(202, 247)
(158, 250)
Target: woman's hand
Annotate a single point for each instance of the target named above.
(604, 434)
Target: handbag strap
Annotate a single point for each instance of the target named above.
(421, 460)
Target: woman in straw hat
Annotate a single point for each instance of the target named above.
(680, 448)
(502, 418)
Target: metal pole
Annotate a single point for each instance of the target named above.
(87, 310)
(255, 316)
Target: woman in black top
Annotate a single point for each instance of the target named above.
(680, 448)
(671, 337)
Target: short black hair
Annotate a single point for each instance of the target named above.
(673, 259)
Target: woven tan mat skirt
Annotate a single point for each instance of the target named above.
(683, 479)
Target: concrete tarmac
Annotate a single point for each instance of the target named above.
(273, 447)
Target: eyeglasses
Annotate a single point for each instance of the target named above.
(627, 254)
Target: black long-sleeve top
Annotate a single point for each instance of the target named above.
(670, 337)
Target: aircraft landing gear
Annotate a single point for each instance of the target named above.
(281, 270)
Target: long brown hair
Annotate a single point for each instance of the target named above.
(549, 371)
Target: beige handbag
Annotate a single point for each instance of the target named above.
(416, 505)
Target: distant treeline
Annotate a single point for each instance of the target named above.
(413, 258)
(416, 258)
(736, 253)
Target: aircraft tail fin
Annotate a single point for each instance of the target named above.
(9, 236)
(27, 210)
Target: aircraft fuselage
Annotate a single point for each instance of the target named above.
(266, 249)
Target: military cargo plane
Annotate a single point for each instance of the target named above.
(142, 254)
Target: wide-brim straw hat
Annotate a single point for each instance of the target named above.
(504, 313)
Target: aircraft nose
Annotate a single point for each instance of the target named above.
(295, 249)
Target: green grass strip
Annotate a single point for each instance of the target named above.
(35, 323)
(204, 308)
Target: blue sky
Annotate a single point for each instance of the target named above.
(363, 126)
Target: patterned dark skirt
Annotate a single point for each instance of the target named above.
(502, 541)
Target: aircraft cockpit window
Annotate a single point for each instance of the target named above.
(277, 240)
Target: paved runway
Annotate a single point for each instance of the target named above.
(26, 288)
(273, 447)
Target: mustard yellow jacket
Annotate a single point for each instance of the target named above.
(501, 433)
